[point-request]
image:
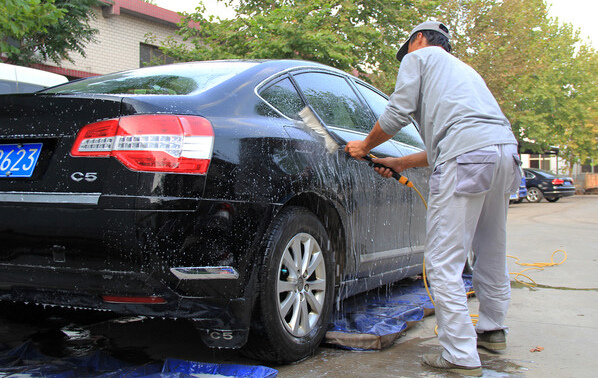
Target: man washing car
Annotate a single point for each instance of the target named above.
(470, 144)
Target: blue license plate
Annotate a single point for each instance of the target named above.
(18, 160)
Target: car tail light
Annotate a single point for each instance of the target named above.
(558, 182)
(150, 143)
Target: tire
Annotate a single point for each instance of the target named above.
(534, 194)
(295, 297)
(553, 199)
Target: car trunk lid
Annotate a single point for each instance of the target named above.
(37, 134)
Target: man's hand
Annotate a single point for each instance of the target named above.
(397, 164)
(357, 149)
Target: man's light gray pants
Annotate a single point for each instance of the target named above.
(469, 198)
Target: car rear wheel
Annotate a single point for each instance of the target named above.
(553, 199)
(534, 194)
(296, 289)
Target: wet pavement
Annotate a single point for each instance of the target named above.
(553, 327)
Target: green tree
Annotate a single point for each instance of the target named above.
(576, 113)
(541, 73)
(359, 36)
(33, 31)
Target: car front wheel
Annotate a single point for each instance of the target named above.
(296, 289)
(534, 194)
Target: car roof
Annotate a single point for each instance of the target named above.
(241, 70)
(30, 75)
(540, 172)
(277, 64)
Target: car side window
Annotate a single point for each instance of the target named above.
(408, 134)
(334, 100)
(284, 97)
(7, 86)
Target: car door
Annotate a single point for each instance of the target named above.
(379, 209)
(406, 141)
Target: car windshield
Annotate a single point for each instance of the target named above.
(176, 79)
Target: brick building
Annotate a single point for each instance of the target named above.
(122, 40)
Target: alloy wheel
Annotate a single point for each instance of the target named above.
(534, 195)
(301, 285)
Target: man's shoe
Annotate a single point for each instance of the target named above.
(436, 361)
(493, 340)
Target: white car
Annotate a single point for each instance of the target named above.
(18, 79)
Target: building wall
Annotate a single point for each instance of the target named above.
(121, 31)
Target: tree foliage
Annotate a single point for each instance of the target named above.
(359, 36)
(33, 31)
(542, 74)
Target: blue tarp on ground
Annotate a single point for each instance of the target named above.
(375, 321)
(26, 361)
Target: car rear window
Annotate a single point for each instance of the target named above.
(176, 79)
(284, 97)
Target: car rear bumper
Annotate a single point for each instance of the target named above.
(183, 244)
(185, 259)
(222, 321)
(559, 192)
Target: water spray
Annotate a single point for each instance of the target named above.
(333, 143)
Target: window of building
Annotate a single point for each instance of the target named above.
(540, 161)
(150, 55)
(589, 168)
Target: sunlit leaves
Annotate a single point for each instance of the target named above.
(542, 75)
(32, 31)
(357, 36)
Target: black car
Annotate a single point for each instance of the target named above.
(544, 184)
(194, 191)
